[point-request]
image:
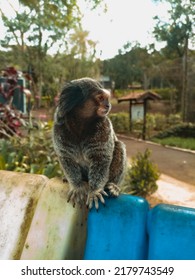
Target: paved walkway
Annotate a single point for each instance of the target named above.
(172, 191)
(177, 167)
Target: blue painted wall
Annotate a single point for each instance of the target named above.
(171, 233)
(126, 229)
(118, 230)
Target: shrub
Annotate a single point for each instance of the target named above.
(11, 121)
(119, 93)
(165, 93)
(30, 154)
(141, 176)
(120, 122)
(160, 121)
(182, 130)
(150, 124)
(174, 119)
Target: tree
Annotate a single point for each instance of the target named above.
(130, 66)
(38, 26)
(177, 33)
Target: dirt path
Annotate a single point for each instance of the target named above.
(172, 162)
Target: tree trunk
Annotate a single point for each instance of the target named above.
(184, 101)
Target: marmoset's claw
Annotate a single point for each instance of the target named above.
(94, 197)
(113, 189)
(77, 196)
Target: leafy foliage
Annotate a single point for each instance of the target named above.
(181, 135)
(37, 17)
(128, 66)
(155, 123)
(120, 122)
(11, 121)
(165, 93)
(178, 32)
(39, 26)
(31, 154)
(179, 27)
(174, 119)
(182, 130)
(141, 176)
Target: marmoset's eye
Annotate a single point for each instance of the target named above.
(101, 98)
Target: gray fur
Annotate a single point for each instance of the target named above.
(92, 158)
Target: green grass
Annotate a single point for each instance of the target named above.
(179, 142)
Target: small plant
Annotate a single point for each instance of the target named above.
(141, 176)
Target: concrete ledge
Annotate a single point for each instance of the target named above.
(58, 231)
(19, 194)
(36, 220)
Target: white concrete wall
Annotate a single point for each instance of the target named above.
(36, 222)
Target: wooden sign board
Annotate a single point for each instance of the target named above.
(137, 112)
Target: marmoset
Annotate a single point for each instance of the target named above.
(92, 158)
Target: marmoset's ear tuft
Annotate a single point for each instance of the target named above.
(70, 97)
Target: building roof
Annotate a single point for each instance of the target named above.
(140, 96)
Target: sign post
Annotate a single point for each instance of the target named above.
(138, 107)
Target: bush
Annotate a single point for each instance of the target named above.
(11, 121)
(181, 130)
(150, 124)
(119, 93)
(153, 122)
(30, 154)
(174, 119)
(165, 93)
(141, 176)
(120, 122)
(160, 121)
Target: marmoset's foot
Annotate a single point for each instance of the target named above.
(77, 196)
(94, 196)
(113, 189)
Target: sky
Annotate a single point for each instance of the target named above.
(125, 21)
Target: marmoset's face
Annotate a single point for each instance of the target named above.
(103, 103)
(97, 105)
